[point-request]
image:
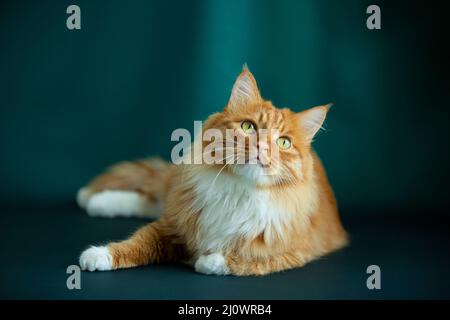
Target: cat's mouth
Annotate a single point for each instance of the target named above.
(259, 161)
(263, 164)
(259, 168)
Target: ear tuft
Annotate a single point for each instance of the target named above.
(245, 89)
(311, 120)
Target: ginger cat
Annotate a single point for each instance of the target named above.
(237, 218)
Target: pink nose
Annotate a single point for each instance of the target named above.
(263, 153)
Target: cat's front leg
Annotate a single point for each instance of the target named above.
(218, 264)
(145, 246)
(245, 266)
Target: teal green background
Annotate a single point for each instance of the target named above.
(73, 102)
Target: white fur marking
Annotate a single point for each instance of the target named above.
(116, 203)
(96, 258)
(83, 196)
(231, 208)
(212, 264)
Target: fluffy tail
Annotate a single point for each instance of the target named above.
(128, 189)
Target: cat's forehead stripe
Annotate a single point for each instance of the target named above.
(271, 119)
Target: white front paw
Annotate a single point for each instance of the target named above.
(212, 264)
(96, 258)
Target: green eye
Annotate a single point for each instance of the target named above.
(247, 126)
(284, 143)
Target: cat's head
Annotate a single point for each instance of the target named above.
(270, 146)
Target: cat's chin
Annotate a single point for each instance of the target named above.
(254, 174)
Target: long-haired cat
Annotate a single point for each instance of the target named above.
(248, 218)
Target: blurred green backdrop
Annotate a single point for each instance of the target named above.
(73, 102)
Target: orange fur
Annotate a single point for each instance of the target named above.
(311, 229)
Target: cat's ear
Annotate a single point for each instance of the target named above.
(311, 120)
(245, 90)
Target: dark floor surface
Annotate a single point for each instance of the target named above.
(37, 245)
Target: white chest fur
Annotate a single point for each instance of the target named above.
(231, 209)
